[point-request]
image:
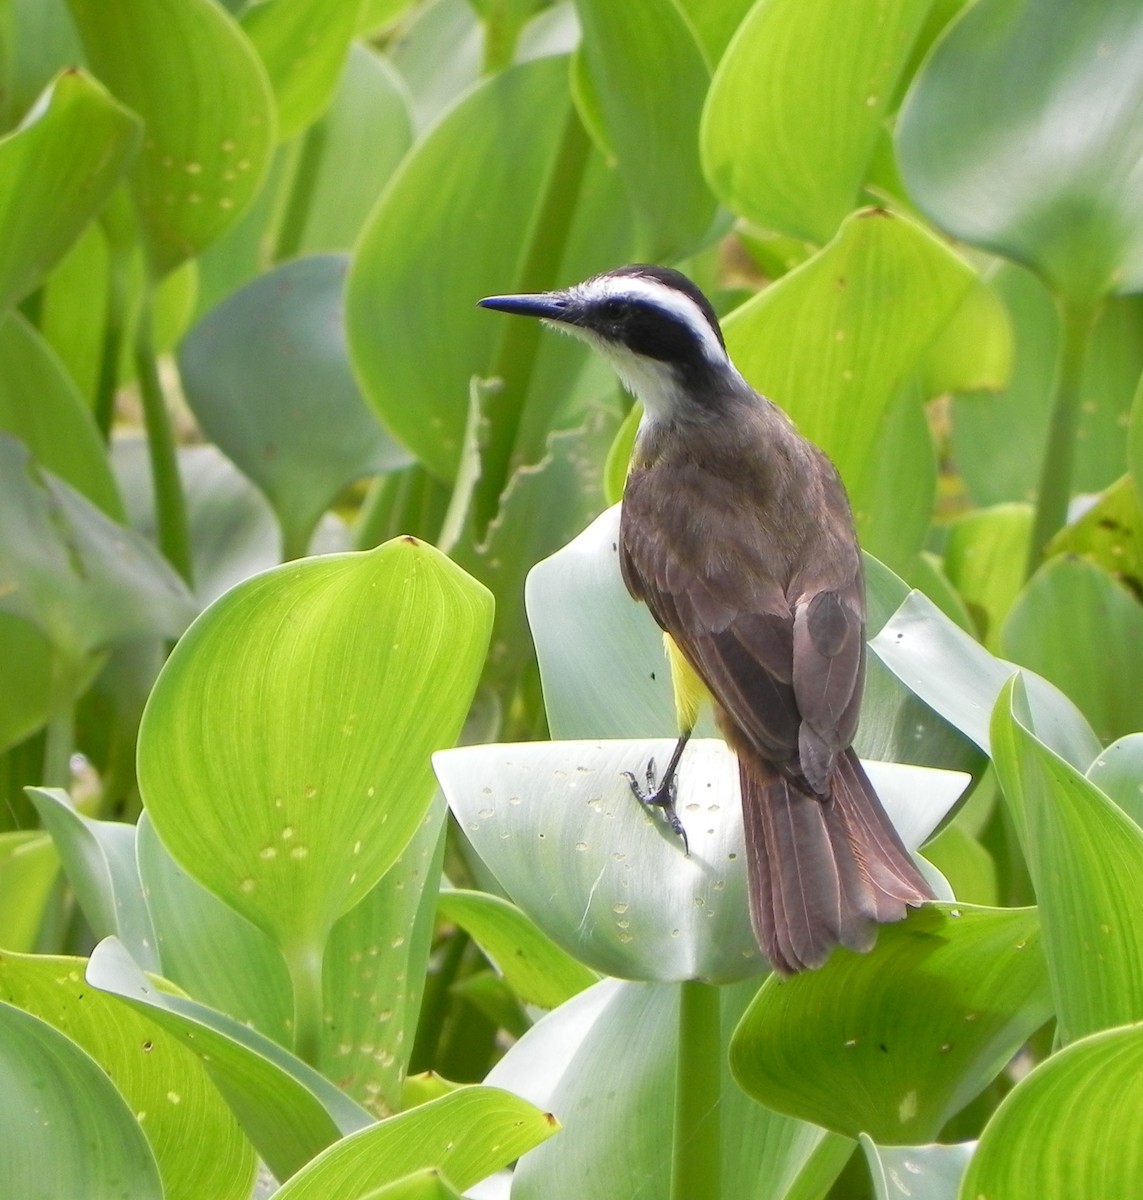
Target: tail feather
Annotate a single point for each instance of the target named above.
(822, 872)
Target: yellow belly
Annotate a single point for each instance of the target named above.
(690, 691)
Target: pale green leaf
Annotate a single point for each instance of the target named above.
(905, 1172)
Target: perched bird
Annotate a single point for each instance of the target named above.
(737, 534)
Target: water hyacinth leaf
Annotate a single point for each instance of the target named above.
(903, 1172)
(99, 860)
(537, 970)
(78, 576)
(650, 80)
(629, 902)
(60, 1108)
(268, 377)
(1081, 630)
(813, 82)
(835, 355)
(1021, 135)
(303, 48)
(28, 869)
(954, 674)
(1085, 856)
(364, 135)
(1069, 1128)
(289, 1111)
(894, 1042)
(440, 57)
(26, 685)
(208, 949)
(40, 405)
(165, 1085)
(1108, 534)
(56, 171)
(976, 348)
(612, 1146)
(283, 754)
(467, 1134)
(429, 1184)
(1118, 773)
(187, 70)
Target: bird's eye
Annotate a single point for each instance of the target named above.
(612, 309)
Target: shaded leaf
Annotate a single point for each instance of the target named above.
(28, 869)
(903, 1172)
(1118, 773)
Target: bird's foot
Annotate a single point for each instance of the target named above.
(660, 795)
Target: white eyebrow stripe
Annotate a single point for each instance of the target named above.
(639, 287)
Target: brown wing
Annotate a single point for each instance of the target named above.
(764, 597)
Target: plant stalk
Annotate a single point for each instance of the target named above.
(1076, 323)
(305, 964)
(113, 327)
(696, 1163)
(170, 504)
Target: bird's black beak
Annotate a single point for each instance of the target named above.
(549, 306)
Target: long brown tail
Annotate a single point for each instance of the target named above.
(822, 873)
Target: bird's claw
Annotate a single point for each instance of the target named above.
(661, 796)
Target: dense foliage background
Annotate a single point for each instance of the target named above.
(270, 490)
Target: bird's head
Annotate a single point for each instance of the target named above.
(655, 328)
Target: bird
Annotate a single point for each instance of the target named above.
(737, 533)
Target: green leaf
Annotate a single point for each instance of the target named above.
(165, 1085)
(28, 869)
(1108, 535)
(56, 171)
(267, 375)
(536, 969)
(1081, 630)
(813, 82)
(984, 557)
(1022, 135)
(903, 1172)
(26, 684)
(40, 405)
(1085, 856)
(649, 78)
(1118, 773)
(835, 341)
(976, 348)
(894, 1042)
(82, 579)
(59, 1108)
(303, 46)
(99, 860)
(429, 1184)
(283, 755)
(187, 70)
(1070, 1128)
(557, 825)
(289, 1111)
(468, 1134)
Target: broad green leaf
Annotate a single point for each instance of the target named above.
(558, 826)
(984, 557)
(537, 970)
(966, 864)
(439, 54)
(614, 1142)
(267, 375)
(99, 860)
(954, 674)
(835, 341)
(1022, 135)
(26, 684)
(926, 573)
(39, 42)
(714, 24)
(187, 70)
(1085, 856)
(1118, 773)
(28, 869)
(975, 349)
(60, 1108)
(1109, 535)
(165, 1085)
(40, 405)
(797, 104)
(649, 78)
(56, 171)
(375, 13)
(208, 949)
(363, 137)
(1081, 630)
(284, 753)
(82, 579)
(285, 1108)
(303, 46)
(894, 1042)
(904, 1172)
(429, 1184)
(1070, 1129)
(468, 1134)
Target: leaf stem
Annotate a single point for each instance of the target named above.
(108, 382)
(305, 965)
(170, 505)
(1076, 323)
(696, 1164)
